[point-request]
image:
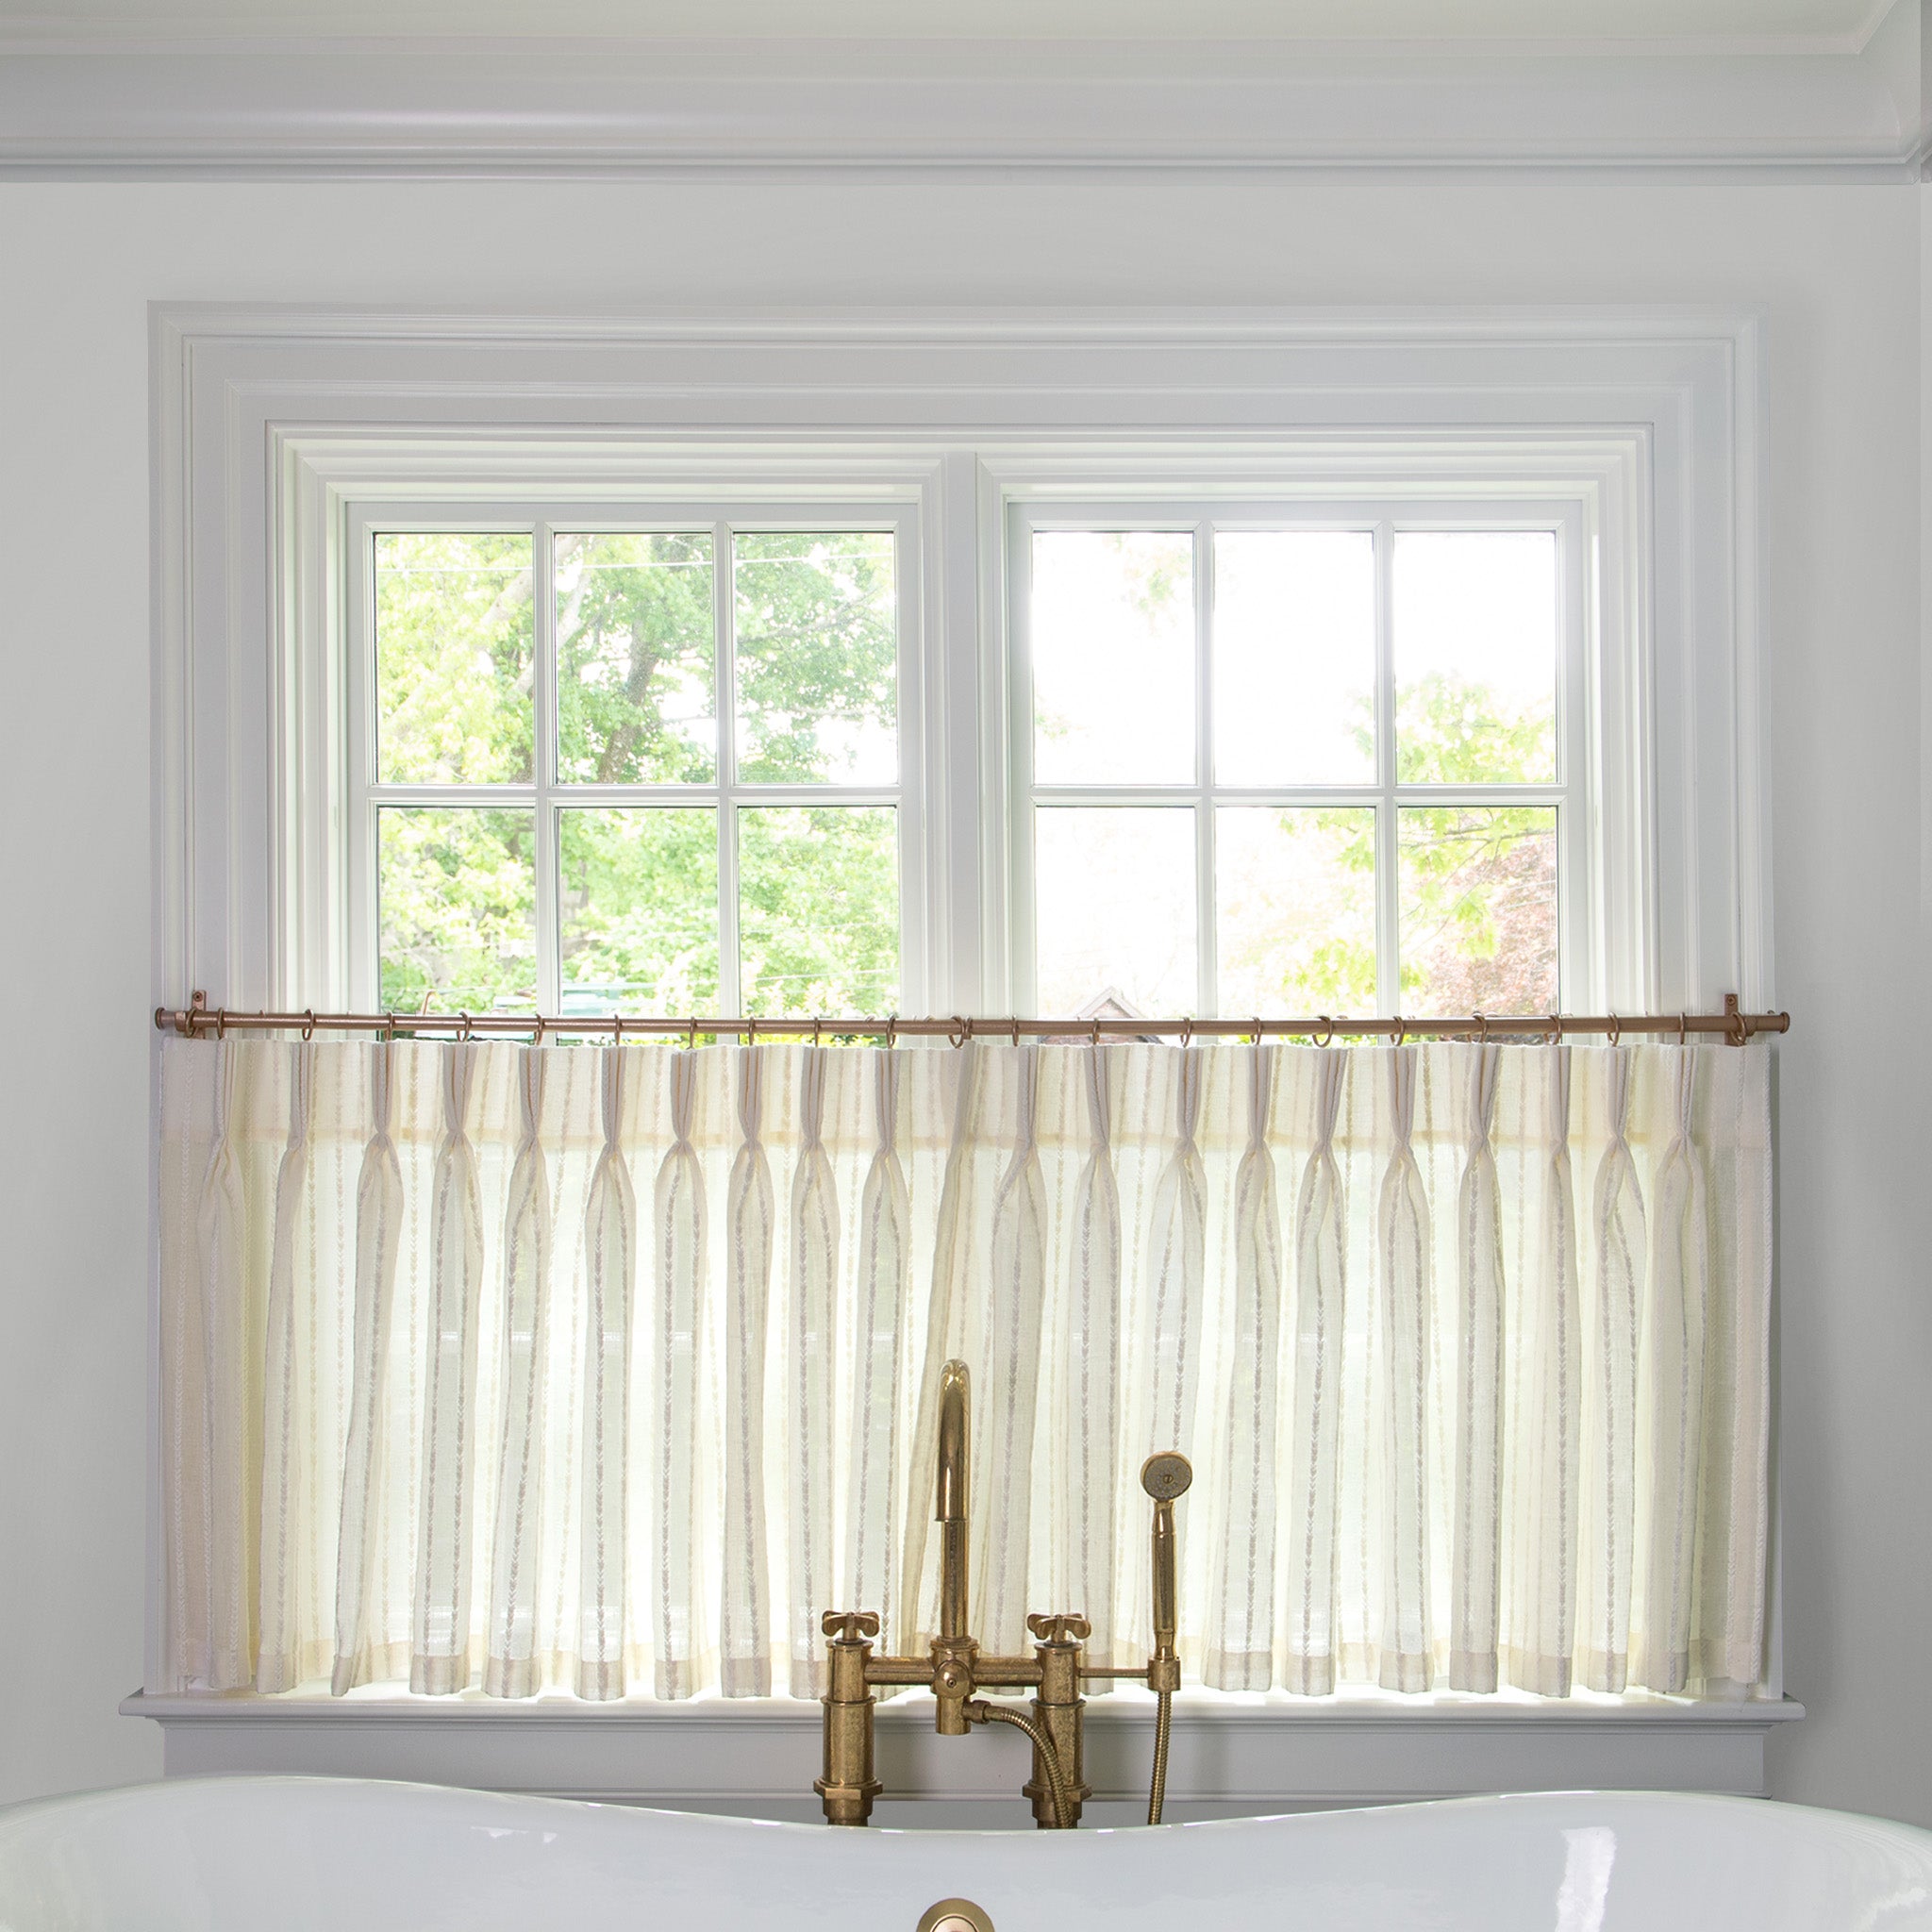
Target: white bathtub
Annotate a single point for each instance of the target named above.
(314, 1855)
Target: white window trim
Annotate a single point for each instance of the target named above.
(1649, 419)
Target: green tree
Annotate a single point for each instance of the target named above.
(1478, 894)
(637, 703)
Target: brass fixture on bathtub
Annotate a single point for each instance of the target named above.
(955, 1915)
(954, 1670)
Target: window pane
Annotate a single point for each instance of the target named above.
(1294, 658)
(457, 909)
(1114, 907)
(1478, 908)
(635, 700)
(453, 657)
(818, 918)
(1113, 658)
(1475, 658)
(1295, 906)
(638, 905)
(816, 619)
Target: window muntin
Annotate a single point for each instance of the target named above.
(1358, 790)
(621, 846)
(558, 812)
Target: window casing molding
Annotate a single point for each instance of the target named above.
(1642, 428)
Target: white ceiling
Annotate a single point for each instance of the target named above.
(1687, 25)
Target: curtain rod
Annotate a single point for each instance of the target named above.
(198, 1019)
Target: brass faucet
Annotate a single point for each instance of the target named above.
(955, 1670)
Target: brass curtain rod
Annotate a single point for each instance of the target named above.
(198, 1019)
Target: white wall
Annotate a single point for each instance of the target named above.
(1837, 274)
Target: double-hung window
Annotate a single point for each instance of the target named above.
(985, 665)
(1260, 757)
(656, 764)
(1274, 761)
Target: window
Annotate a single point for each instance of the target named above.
(1262, 759)
(1631, 438)
(631, 767)
(1287, 764)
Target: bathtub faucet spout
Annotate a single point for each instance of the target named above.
(956, 1671)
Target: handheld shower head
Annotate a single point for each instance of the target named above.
(1166, 1475)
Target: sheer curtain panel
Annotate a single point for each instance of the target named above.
(604, 1370)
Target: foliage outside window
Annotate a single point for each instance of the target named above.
(1292, 769)
(1262, 768)
(560, 798)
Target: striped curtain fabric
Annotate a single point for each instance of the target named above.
(603, 1370)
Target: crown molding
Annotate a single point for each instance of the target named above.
(413, 108)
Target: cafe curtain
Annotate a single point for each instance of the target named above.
(604, 1370)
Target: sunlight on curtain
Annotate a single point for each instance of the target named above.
(605, 1370)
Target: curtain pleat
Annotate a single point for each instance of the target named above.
(214, 1618)
(1609, 1505)
(1176, 1266)
(467, 1355)
(681, 1277)
(440, 1655)
(511, 1668)
(1312, 1457)
(362, 1626)
(1403, 1251)
(1670, 1400)
(279, 1663)
(1478, 1471)
(883, 1286)
(1241, 1615)
(745, 1629)
(1546, 1432)
(1090, 1392)
(1005, 1324)
(952, 1262)
(610, 1250)
(810, 1380)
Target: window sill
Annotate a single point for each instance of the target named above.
(1230, 1755)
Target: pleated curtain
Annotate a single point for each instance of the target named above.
(604, 1370)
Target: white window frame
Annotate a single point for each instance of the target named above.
(547, 796)
(1585, 814)
(1648, 421)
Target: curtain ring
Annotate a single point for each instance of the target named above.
(1555, 1029)
(1401, 1029)
(962, 1030)
(464, 1029)
(1482, 1030)
(1736, 1030)
(309, 1024)
(617, 1029)
(1096, 1032)
(220, 1023)
(892, 1031)
(1188, 1031)
(1615, 1029)
(1016, 1029)
(1327, 1038)
(1254, 1038)
(536, 1039)
(751, 1029)
(1683, 1024)
(818, 1022)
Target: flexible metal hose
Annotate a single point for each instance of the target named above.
(1157, 1792)
(982, 1712)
